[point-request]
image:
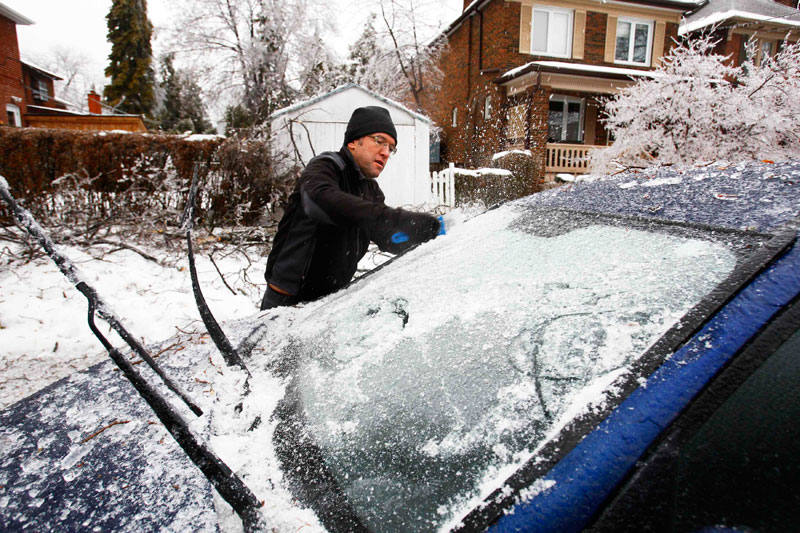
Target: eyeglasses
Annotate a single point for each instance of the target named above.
(383, 143)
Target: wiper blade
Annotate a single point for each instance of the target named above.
(225, 481)
(229, 353)
(29, 224)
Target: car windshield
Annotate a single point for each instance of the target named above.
(427, 385)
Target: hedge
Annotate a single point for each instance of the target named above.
(107, 174)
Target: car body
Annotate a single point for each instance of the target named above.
(612, 355)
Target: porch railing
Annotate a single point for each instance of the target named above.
(572, 158)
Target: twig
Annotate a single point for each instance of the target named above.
(99, 431)
(211, 256)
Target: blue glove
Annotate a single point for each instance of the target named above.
(401, 237)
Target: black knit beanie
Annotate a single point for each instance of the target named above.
(370, 119)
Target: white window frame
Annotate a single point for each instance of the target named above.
(570, 100)
(40, 90)
(487, 108)
(454, 118)
(14, 110)
(648, 54)
(550, 10)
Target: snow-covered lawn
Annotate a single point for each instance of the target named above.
(44, 333)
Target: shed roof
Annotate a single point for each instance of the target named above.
(306, 103)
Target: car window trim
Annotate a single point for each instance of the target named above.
(744, 364)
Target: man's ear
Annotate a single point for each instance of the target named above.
(351, 145)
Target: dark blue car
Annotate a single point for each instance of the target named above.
(615, 355)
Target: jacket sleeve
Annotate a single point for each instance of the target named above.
(326, 203)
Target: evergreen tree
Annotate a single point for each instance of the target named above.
(363, 52)
(181, 108)
(130, 70)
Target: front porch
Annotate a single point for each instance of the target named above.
(566, 158)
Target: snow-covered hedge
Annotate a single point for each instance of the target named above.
(76, 177)
(513, 175)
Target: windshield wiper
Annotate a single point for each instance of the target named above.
(227, 483)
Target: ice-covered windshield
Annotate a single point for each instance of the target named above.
(427, 386)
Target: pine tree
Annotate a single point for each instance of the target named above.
(181, 108)
(130, 70)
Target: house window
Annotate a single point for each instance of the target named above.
(634, 41)
(454, 120)
(565, 121)
(767, 50)
(40, 91)
(13, 115)
(551, 31)
(487, 108)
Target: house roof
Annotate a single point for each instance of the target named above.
(14, 16)
(40, 70)
(54, 111)
(767, 12)
(312, 101)
(573, 68)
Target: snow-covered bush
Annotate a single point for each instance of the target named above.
(698, 107)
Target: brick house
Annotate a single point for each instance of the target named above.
(12, 87)
(28, 94)
(530, 75)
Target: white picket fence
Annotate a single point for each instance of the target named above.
(443, 191)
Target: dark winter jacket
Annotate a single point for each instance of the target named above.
(331, 217)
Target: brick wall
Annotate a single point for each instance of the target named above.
(595, 38)
(10, 69)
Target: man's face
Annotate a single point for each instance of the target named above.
(371, 153)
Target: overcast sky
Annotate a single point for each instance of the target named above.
(80, 25)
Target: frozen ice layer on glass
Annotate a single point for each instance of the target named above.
(457, 362)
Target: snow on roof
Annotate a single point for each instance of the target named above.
(314, 100)
(52, 110)
(44, 71)
(15, 16)
(717, 11)
(576, 67)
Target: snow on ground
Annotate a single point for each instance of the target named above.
(44, 332)
(43, 319)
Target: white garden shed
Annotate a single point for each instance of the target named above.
(317, 125)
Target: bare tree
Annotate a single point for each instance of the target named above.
(407, 62)
(248, 51)
(699, 107)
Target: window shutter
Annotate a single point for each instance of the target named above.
(611, 39)
(525, 28)
(578, 34)
(658, 43)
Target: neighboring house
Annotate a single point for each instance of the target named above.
(28, 93)
(12, 87)
(768, 23)
(524, 74)
(39, 87)
(308, 128)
